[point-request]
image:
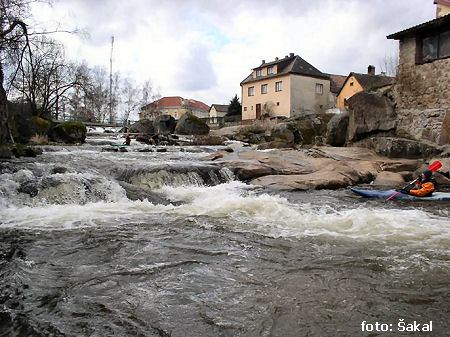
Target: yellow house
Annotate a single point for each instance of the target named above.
(284, 87)
(356, 82)
(442, 8)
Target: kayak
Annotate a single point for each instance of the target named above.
(436, 196)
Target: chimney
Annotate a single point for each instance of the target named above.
(442, 7)
(291, 54)
(263, 61)
(370, 70)
(276, 58)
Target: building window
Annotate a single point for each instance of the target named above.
(263, 88)
(251, 91)
(252, 107)
(319, 88)
(258, 73)
(245, 108)
(278, 103)
(433, 47)
(351, 84)
(269, 70)
(278, 86)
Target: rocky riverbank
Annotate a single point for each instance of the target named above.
(320, 167)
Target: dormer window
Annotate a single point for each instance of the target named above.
(258, 73)
(269, 70)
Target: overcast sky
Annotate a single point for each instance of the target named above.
(203, 49)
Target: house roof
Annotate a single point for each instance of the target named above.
(289, 65)
(198, 105)
(439, 23)
(220, 107)
(336, 82)
(177, 101)
(442, 2)
(370, 82)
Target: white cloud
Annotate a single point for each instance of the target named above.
(202, 49)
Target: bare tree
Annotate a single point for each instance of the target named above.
(45, 77)
(136, 96)
(13, 36)
(389, 65)
(130, 93)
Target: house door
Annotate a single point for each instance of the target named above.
(258, 111)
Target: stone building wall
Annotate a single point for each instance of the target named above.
(423, 85)
(422, 97)
(431, 125)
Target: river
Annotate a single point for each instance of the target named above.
(206, 255)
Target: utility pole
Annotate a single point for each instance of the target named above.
(111, 81)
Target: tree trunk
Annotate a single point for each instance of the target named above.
(5, 136)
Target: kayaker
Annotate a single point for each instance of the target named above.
(425, 185)
(127, 140)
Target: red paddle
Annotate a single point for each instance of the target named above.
(436, 165)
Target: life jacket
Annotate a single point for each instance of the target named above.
(423, 190)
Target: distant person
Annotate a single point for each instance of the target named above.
(424, 186)
(127, 140)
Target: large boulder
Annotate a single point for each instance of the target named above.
(309, 128)
(189, 124)
(369, 113)
(164, 124)
(144, 126)
(40, 126)
(400, 147)
(317, 167)
(278, 136)
(68, 132)
(386, 178)
(330, 174)
(337, 129)
(5, 152)
(282, 132)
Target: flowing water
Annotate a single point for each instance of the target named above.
(164, 244)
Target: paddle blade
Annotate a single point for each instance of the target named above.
(436, 165)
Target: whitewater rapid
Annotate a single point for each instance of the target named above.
(243, 207)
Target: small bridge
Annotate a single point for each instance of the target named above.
(104, 125)
(96, 124)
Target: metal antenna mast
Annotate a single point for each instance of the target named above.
(111, 81)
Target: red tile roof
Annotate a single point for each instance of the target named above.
(442, 2)
(198, 105)
(177, 101)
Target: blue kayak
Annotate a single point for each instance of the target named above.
(436, 196)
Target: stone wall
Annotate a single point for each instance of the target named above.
(422, 97)
(421, 86)
(430, 125)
